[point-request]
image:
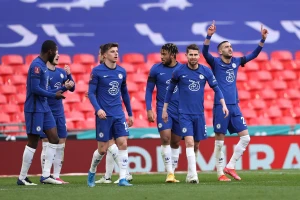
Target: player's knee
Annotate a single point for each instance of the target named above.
(175, 144)
(165, 140)
(53, 140)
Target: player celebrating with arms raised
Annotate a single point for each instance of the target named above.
(107, 84)
(225, 70)
(191, 79)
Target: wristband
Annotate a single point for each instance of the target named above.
(208, 37)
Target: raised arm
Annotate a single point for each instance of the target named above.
(208, 57)
(257, 50)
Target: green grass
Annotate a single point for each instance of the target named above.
(283, 184)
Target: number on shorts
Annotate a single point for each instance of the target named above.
(125, 126)
(243, 119)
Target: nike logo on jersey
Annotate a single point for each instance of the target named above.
(105, 76)
(51, 78)
(161, 73)
(183, 76)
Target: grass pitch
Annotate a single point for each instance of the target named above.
(266, 184)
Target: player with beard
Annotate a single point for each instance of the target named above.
(60, 79)
(225, 69)
(38, 116)
(160, 76)
(190, 80)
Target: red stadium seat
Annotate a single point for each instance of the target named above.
(136, 106)
(139, 96)
(86, 59)
(281, 55)
(90, 115)
(143, 68)
(132, 87)
(22, 69)
(128, 67)
(244, 95)
(258, 104)
(4, 118)
(292, 94)
(274, 112)
(286, 75)
(274, 65)
(29, 58)
(268, 94)
(10, 108)
(66, 107)
(4, 70)
(81, 87)
(1, 80)
(261, 75)
(7, 89)
(284, 103)
(252, 85)
(83, 107)
(83, 77)
(133, 58)
(71, 97)
(154, 57)
(251, 66)
(64, 59)
(12, 59)
(285, 121)
(241, 76)
(16, 80)
(262, 57)
(87, 124)
(140, 114)
(181, 57)
(137, 78)
(77, 68)
(260, 121)
(277, 85)
(18, 117)
(3, 99)
(208, 104)
(74, 116)
(249, 113)
(140, 123)
(70, 125)
(297, 55)
(18, 99)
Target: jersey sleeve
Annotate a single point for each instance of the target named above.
(214, 84)
(250, 56)
(92, 90)
(208, 57)
(150, 87)
(125, 95)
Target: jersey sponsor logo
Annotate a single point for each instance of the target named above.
(57, 85)
(233, 65)
(37, 70)
(114, 88)
(101, 135)
(194, 86)
(201, 76)
(230, 78)
(168, 83)
(120, 76)
(61, 75)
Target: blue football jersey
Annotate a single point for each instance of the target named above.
(57, 78)
(191, 85)
(37, 86)
(108, 84)
(161, 75)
